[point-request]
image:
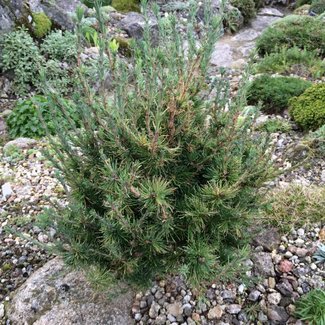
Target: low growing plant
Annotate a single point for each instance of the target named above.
(304, 32)
(61, 46)
(275, 125)
(21, 55)
(294, 206)
(317, 139)
(292, 60)
(161, 177)
(32, 117)
(308, 109)
(274, 92)
(310, 308)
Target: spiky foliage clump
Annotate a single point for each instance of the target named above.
(310, 308)
(319, 256)
(163, 173)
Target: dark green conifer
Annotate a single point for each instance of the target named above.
(164, 172)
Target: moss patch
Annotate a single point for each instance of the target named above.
(41, 24)
(126, 5)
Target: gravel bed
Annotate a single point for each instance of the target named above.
(28, 184)
(281, 269)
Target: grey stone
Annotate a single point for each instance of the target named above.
(6, 18)
(247, 35)
(59, 11)
(154, 310)
(270, 12)
(6, 113)
(137, 317)
(2, 310)
(285, 288)
(233, 309)
(228, 295)
(187, 308)
(270, 239)
(263, 264)
(262, 317)
(215, 313)
(277, 314)
(41, 300)
(274, 298)
(262, 22)
(134, 23)
(6, 191)
(175, 309)
(160, 320)
(254, 295)
(222, 55)
(21, 143)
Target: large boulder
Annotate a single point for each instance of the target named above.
(133, 24)
(54, 295)
(59, 11)
(6, 18)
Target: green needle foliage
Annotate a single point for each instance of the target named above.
(163, 173)
(310, 308)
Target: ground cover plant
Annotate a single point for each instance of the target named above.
(292, 60)
(163, 175)
(275, 125)
(294, 206)
(29, 59)
(274, 92)
(32, 117)
(304, 32)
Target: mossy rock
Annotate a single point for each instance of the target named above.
(126, 5)
(303, 10)
(124, 45)
(41, 24)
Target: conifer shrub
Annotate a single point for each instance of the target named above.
(246, 7)
(304, 32)
(259, 4)
(274, 92)
(161, 176)
(308, 109)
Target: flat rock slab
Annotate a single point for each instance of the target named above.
(222, 55)
(270, 12)
(54, 295)
(233, 51)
